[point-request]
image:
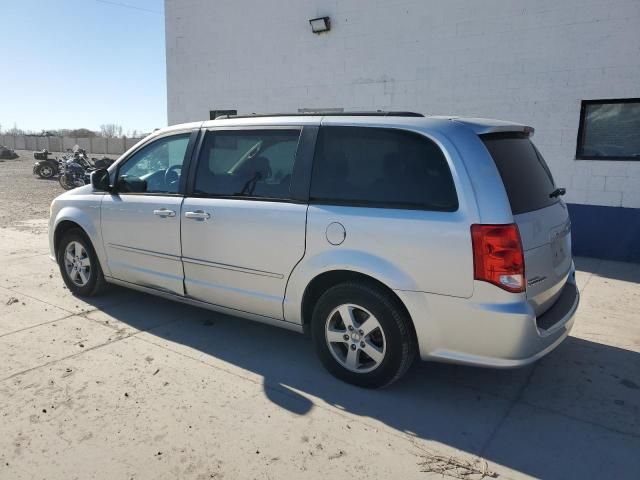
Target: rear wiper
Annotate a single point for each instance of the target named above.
(557, 192)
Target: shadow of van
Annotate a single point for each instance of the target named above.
(541, 420)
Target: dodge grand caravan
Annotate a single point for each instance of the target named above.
(384, 235)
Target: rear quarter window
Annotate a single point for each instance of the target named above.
(525, 175)
(381, 167)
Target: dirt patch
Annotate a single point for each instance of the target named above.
(25, 197)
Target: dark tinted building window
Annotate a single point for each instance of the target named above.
(247, 163)
(381, 167)
(213, 114)
(609, 130)
(525, 174)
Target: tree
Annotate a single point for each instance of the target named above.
(81, 133)
(111, 130)
(15, 130)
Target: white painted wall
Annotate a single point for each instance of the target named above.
(98, 145)
(528, 61)
(93, 145)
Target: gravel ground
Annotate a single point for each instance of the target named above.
(25, 197)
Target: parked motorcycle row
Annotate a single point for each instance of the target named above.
(73, 169)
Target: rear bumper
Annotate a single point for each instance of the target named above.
(498, 335)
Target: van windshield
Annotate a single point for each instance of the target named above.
(525, 174)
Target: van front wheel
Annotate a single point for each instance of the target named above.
(362, 336)
(79, 265)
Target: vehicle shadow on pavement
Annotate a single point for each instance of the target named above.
(625, 271)
(570, 415)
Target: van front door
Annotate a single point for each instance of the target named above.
(141, 218)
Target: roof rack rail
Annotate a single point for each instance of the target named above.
(378, 113)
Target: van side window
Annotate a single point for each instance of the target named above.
(381, 167)
(247, 163)
(156, 167)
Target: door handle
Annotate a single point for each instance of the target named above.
(164, 212)
(198, 215)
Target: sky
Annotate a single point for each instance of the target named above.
(82, 63)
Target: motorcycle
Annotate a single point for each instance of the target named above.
(44, 166)
(75, 170)
(104, 162)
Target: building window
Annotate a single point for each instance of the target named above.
(609, 130)
(213, 114)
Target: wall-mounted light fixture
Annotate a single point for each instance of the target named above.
(320, 24)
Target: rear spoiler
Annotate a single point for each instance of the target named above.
(481, 126)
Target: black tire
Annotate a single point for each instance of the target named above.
(398, 335)
(46, 171)
(96, 283)
(64, 182)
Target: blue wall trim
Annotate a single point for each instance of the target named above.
(612, 233)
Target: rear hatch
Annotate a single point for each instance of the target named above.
(541, 216)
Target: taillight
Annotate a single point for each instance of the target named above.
(498, 257)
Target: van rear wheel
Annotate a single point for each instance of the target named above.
(362, 336)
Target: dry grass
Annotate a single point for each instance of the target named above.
(452, 467)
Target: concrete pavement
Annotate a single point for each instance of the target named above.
(132, 386)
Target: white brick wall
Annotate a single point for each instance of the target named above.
(526, 61)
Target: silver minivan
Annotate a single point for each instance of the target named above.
(383, 235)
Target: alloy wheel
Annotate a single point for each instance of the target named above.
(77, 263)
(355, 338)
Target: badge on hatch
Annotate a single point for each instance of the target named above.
(535, 281)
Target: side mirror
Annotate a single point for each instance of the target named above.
(100, 180)
(131, 184)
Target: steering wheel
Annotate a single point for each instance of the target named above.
(172, 174)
